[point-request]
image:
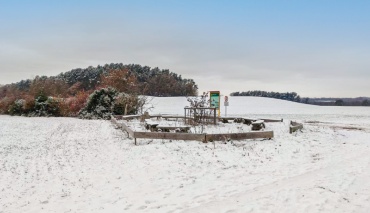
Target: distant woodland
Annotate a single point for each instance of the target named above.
(140, 79)
(360, 101)
(289, 96)
(293, 96)
(67, 92)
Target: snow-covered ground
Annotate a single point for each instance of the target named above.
(72, 165)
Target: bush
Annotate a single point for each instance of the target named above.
(125, 104)
(17, 108)
(70, 106)
(103, 103)
(45, 106)
(5, 104)
(39, 106)
(29, 104)
(99, 105)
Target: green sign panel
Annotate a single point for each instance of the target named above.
(215, 99)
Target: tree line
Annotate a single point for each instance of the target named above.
(289, 96)
(148, 81)
(293, 96)
(66, 93)
(360, 101)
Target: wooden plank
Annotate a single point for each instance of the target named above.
(293, 123)
(229, 118)
(127, 117)
(272, 120)
(127, 129)
(266, 120)
(173, 116)
(258, 122)
(173, 127)
(122, 126)
(168, 128)
(239, 120)
(224, 120)
(150, 122)
(169, 136)
(117, 117)
(249, 119)
(258, 125)
(239, 136)
(294, 126)
(156, 116)
(113, 120)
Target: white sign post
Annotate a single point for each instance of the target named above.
(226, 104)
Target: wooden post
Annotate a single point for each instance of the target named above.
(125, 110)
(214, 117)
(135, 141)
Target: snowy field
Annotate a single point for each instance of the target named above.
(72, 165)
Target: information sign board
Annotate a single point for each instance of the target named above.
(215, 99)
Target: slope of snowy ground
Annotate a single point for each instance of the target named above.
(72, 165)
(257, 105)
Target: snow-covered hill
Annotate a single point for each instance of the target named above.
(72, 165)
(271, 108)
(257, 105)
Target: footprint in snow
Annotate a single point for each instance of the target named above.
(142, 207)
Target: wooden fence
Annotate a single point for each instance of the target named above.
(239, 136)
(192, 136)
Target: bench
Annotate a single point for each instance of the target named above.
(238, 120)
(258, 125)
(226, 119)
(294, 126)
(248, 121)
(176, 128)
(150, 125)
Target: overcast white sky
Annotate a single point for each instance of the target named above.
(315, 48)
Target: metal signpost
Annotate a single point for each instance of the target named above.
(226, 104)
